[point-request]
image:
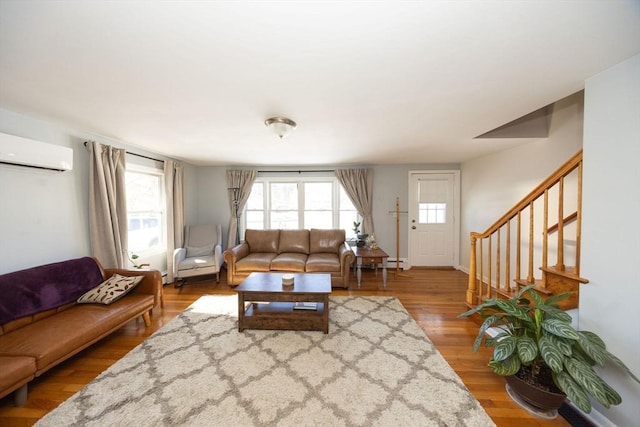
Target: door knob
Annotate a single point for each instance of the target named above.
(413, 228)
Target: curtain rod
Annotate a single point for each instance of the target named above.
(298, 171)
(135, 154)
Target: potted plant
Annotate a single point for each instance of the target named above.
(356, 227)
(537, 345)
(133, 259)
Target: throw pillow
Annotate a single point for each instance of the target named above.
(193, 251)
(111, 290)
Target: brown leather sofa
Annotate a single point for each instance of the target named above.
(291, 251)
(41, 325)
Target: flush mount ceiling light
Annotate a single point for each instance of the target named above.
(281, 126)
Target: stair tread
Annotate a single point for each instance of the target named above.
(538, 285)
(569, 273)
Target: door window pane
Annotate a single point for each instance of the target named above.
(432, 213)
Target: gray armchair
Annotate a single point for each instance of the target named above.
(201, 254)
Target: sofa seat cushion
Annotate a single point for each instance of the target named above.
(255, 262)
(193, 263)
(294, 241)
(289, 262)
(16, 371)
(53, 339)
(319, 263)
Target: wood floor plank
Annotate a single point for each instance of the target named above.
(434, 298)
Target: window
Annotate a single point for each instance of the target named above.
(432, 213)
(145, 209)
(299, 204)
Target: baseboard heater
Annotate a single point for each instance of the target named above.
(403, 263)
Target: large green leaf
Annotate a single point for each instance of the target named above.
(506, 367)
(504, 348)
(513, 310)
(537, 299)
(522, 291)
(578, 353)
(560, 328)
(593, 347)
(551, 354)
(489, 321)
(553, 300)
(594, 338)
(563, 344)
(556, 313)
(612, 395)
(490, 303)
(621, 364)
(527, 349)
(474, 310)
(573, 391)
(584, 375)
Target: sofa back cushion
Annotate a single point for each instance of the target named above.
(33, 290)
(262, 240)
(294, 241)
(326, 241)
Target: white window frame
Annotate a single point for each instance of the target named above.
(267, 181)
(162, 246)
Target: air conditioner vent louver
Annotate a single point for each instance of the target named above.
(15, 150)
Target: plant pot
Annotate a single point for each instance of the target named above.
(542, 399)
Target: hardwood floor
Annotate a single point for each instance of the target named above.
(433, 297)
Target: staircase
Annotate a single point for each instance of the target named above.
(538, 232)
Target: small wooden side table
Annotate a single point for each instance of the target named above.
(371, 256)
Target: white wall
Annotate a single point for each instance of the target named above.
(41, 214)
(493, 184)
(610, 232)
(44, 215)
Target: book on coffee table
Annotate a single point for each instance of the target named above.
(305, 306)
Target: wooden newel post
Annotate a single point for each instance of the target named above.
(472, 295)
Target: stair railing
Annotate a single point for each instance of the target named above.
(493, 269)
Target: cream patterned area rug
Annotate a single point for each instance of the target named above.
(376, 367)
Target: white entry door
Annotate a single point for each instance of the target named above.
(433, 212)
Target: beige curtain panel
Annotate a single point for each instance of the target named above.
(358, 184)
(107, 205)
(239, 183)
(174, 188)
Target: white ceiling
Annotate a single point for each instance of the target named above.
(384, 82)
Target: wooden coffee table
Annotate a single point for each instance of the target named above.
(271, 305)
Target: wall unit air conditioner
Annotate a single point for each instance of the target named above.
(15, 150)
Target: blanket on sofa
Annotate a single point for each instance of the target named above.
(42, 288)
